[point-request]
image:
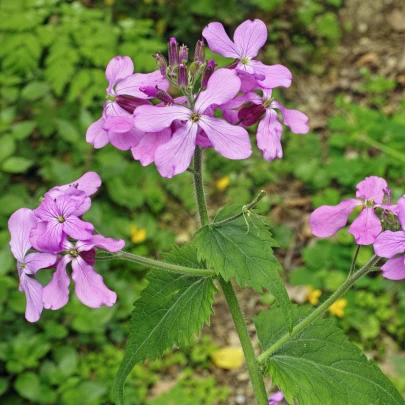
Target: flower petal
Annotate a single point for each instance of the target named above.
(119, 124)
(223, 85)
(130, 85)
(20, 225)
(325, 221)
(37, 261)
(109, 244)
(118, 68)
(230, 141)
(219, 42)
(78, 229)
(388, 244)
(250, 36)
(51, 239)
(174, 157)
(268, 136)
(366, 227)
(401, 212)
(36, 233)
(153, 119)
(127, 140)
(90, 287)
(275, 75)
(394, 269)
(55, 295)
(33, 293)
(96, 135)
(66, 205)
(372, 188)
(146, 149)
(296, 120)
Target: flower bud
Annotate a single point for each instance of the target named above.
(199, 54)
(183, 54)
(129, 103)
(251, 114)
(155, 92)
(207, 73)
(161, 63)
(182, 77)
(195, 68)
(173, 51)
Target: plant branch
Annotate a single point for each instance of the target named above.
(321, 309)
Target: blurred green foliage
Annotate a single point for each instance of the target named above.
(52, 86)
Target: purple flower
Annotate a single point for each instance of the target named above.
(389, 244)
(249, 37)
(60, 221)
(89, 285)
(269, 130)
(277, 399)
(327, 220)
(122, 93)
(20, 225)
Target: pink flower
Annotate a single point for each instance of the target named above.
(277, 399)
(389, 244)
(249, 37)
(20, 225)
(174, 156)
(89, 285)
(123, 96)
(269, 130)
(325, 221)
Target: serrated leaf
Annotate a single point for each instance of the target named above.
(171, 309)
(321, 366)
(246, 254)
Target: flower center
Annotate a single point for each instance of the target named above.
(73, 252)
(245, 61)
(61, 219)
(110, 97)
(195, 117)
(369, 203)
(266, 103)
(22, 265)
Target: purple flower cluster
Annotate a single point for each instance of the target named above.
(168, 133)
(42, 239)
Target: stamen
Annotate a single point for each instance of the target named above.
(195, 117)
(61, 219)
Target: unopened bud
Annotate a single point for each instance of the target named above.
(129, 103)
(155, 92)
(182, 77)
(183, 54)
(173, 51)
(199, 54)
(387, 199)
(207, 73)
(195, 68)
(161, 63)
(251, 114)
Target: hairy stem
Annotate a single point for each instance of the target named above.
(321, 309)
(256, 377)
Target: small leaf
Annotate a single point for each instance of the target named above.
(16, 165)
(23, 129)
(320, 366)
(7, 146)
(234, 250)
(171, 309)
(228, 358)
(35, 90)
(67, 131)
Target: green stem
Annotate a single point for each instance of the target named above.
(164, 266)
(353, 266)
(321, 309)
(236, 312)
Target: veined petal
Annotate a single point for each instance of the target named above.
(96, 135)
(55, 295)
(248, 82)
(222, 86)
(37, 261)
(230, 141)
(89, 183)
(119, 124)
(250, 36)
(366, 227)
(90, 287)
(146, 149)
(77, 229)
(325, 221)
(388, 244)
(131, 84)
(65, 205)
(20, 225)
(51, 239)
(153, 119)
(126, 140)
(118, 68)
(219, 42)
(268, 136)
(275, 75)
(238, 101)
(296, 120)
(372, 188)
(394, 269)
(109, 244)
(36, 233)
(174, 157)
(401, 212)
(33, 293)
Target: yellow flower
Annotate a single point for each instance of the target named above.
(228, 358)
(222, 183)
(338, 308)
(138, 235)
(313, 295)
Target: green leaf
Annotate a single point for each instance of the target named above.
(7, 146)
(35, 90)
(16, 165)
(321, 366)
(246, 254)
(171, 309)
(23, 129)
(67, 131)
